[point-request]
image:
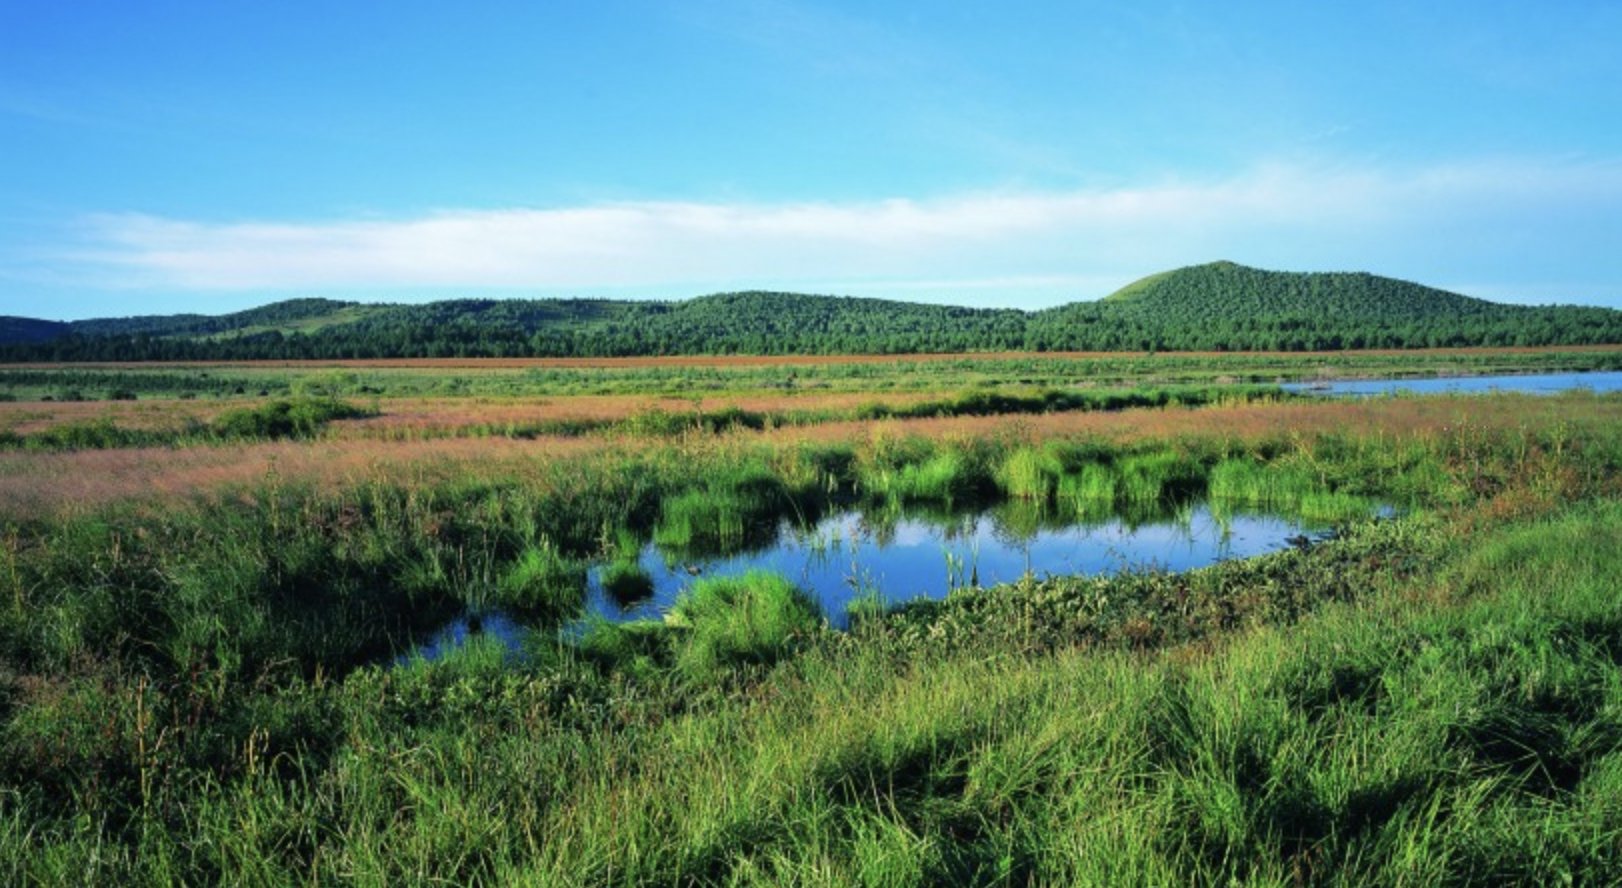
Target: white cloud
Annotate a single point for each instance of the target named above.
(1440, 223)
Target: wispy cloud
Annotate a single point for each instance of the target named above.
(1458, 218)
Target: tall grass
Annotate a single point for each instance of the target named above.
(915, 472)
(725, 622)
(1384, 743)
(543, 581)
(1030, 473)
(1289, 485)
(725, 513)
(302, 418)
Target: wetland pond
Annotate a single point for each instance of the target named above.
(899, 556)
(1530, 383)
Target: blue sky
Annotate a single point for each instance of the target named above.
(159, 157)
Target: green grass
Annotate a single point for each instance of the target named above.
(543, 581)
(915, 472)
(1378, 742)
(724, 513)
(1290, 486)
(284, 419)
(298, 419)
(1030, 473)
(726, 622)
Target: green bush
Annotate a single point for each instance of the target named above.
(284, 419)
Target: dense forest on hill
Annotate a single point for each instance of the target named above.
(1219, 306)
(1227, 306)
(30, 330)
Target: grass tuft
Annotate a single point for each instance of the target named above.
(731, 621)
(543, 582)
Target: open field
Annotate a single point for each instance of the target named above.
(204, 602)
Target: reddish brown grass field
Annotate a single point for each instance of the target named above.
(33, 484)
(439, 416)
(38, 484)
(26, 417)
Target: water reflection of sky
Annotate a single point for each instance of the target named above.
(847, 555)
(1533, 383)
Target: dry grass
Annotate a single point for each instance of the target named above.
(27, 417)
(439, 416)
(433, 416)
(38, 484)
(1436, 420)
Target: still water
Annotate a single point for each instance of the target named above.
(1532, 383)
(898, 558)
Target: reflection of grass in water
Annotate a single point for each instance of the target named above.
(963, 571)
(623, 577)
(1018, 521)
(832, 542)
(1183, 517)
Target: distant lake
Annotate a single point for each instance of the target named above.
(1531, 383)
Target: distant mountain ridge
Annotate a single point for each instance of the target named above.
(1216, 306)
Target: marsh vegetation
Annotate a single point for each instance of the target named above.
(208, 675)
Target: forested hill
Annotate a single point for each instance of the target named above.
(1219, 306)
(1225, 288)
(14, 329)
(1222, 305)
